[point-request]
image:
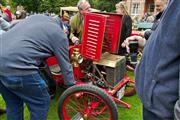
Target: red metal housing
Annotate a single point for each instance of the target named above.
(101, 33)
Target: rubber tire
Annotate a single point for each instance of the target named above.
(88, 88)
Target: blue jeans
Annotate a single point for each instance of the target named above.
(29, 89)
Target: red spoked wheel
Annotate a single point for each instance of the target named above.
(130, 89)
(86, 102)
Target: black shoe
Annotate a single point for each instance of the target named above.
(2, 111)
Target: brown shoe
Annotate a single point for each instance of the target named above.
(2, 111)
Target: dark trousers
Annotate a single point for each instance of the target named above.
(29, 89)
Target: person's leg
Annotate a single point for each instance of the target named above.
(30, 89)
(14, 104)
(36, 96)
(147, 115)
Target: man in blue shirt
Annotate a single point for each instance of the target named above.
(158, 73)
(23, 48)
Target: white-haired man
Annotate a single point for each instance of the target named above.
(160, 5)
(77, 20)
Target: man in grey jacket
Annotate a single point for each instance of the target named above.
(23, 48)
(4, 26)
(158, 73)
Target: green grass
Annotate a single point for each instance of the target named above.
(134, 113)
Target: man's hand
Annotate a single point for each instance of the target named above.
(141, 42)
(74, 39)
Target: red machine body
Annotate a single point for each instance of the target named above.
(101, 34)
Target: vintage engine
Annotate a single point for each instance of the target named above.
(115, 67)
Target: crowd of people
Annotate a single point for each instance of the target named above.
(157, 75)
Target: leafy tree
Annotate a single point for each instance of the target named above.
(2, 2)
(54, 5)
(106, 5)
(30, 5)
